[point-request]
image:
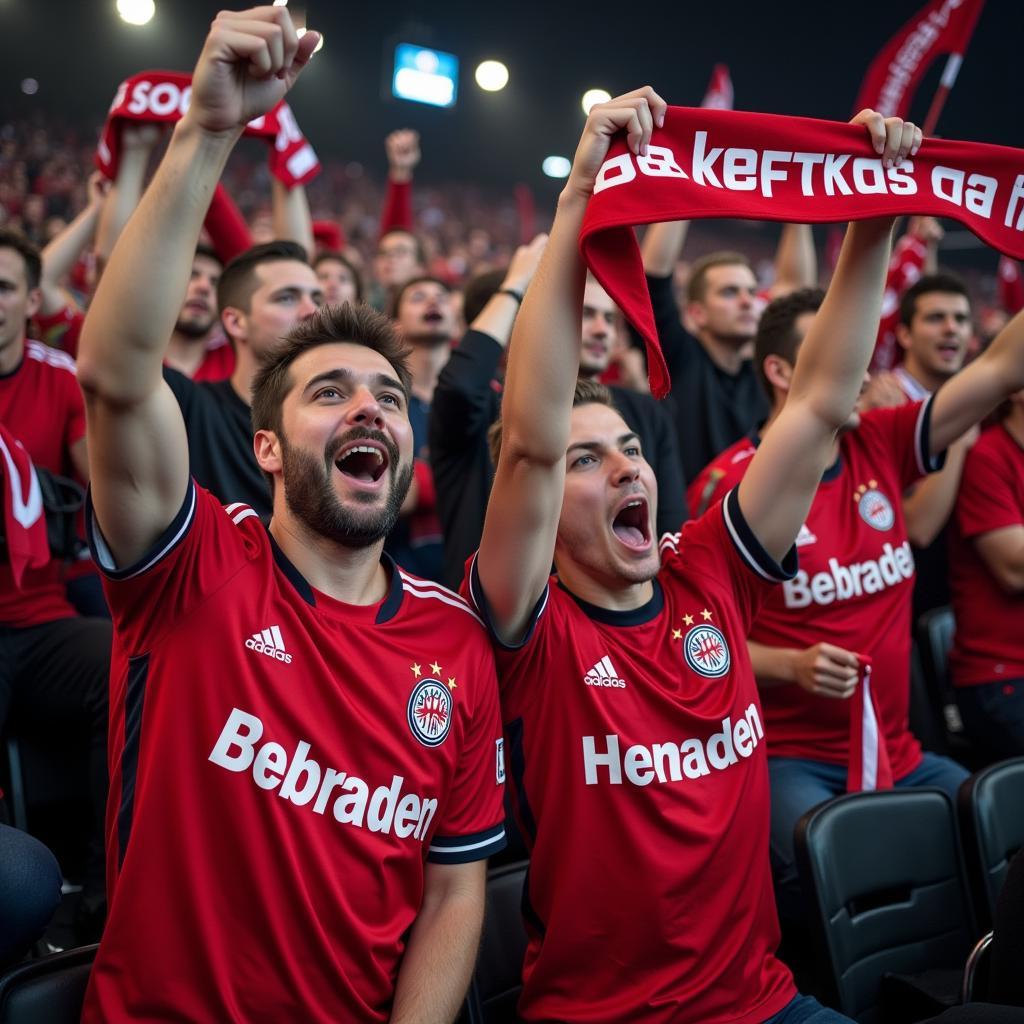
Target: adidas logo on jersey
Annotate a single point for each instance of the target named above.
(269, 642)
(602, 674)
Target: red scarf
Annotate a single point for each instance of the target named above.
(162, 97)
(722, 163)
(24, 524)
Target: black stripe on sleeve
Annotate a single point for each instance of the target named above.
(926, 462)
(138, 669)
(464, 849)
(749, 547)
(479, 601)
(167, 542)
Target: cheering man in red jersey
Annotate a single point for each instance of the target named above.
(305, 743)
(637, 746)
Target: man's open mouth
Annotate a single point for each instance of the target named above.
(632, 524)
(366, 463)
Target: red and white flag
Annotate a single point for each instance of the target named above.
(24, 521)
(940, 27)
(905, 266)
(1011, 287)
(869, 757)
(719, 95)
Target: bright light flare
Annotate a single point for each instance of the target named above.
(29, 86)
(136, 12)
(556, 167)
(492, 76)
(594, 96)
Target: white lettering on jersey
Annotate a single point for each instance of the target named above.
(387, 809)
(841, 582)
(670, 761)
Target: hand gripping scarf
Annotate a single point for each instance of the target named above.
(720, 163)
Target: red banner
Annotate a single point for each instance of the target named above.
(163, 97)
(720, 163)
(940, 27)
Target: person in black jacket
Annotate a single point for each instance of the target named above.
(467, 401)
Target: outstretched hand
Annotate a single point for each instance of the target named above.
(636, 113)
(249, 61)
(403, 150)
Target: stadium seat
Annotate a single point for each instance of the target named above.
(991, 808)
(496, 982)
(51, 989)
(884, 876)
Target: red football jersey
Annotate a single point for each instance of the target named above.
(988, 646)
(218, 362)
(282, 765)
(854, 586)
(41, 405)
(639, 774)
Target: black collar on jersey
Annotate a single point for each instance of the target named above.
(830, 474)
(389, 606)
(631, 617)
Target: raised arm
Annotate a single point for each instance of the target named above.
(292, 220)
(777, 490)
(978, 388)
(403, 150)
(138, 453)
(137, 144)
(63, 251)
(522, 513)
(661, 247)
(796, 262)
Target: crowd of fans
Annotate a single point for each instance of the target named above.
(922, 475)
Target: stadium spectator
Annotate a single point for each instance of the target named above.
(987, 582)
(227, 630)
(54, 664)
(810, 640)
(673, 877)
(338, 278)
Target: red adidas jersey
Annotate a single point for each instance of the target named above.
(41, 405)
(854, 586)
(988, 646)
(282, 765)
(640, 780)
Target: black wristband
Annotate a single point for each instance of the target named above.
(511, 291)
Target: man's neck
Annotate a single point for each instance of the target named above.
(350, 575)
(426, 362)
(186, 353)
(11, 355)
(598, 592)
(929, 381)
(725, 353)
(244, 373)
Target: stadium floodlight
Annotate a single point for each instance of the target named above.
(492, 76)
(280, 3)
(136, 12)
(422, 75)
(556, 167)
(594, 96)
(29, 86)
(300, 32)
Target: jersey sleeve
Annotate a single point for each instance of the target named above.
(905, 432)
(986, 500)
(722, 546)
(202, 548)
(473, 823)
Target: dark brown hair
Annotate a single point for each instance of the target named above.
(238, 280)
(776, 330)
(948, 284)
(27, 251)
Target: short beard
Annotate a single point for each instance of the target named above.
(311, 499)
(193, 329)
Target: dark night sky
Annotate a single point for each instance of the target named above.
(787, 56)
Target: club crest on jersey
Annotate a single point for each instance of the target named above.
(706, 651)
(874, 507)
(430, 712)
